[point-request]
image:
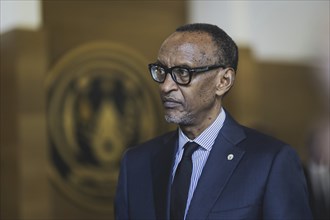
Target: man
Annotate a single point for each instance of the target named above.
(230, 171)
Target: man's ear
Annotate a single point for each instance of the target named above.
(225, 81)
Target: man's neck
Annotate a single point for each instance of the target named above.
(194, 130)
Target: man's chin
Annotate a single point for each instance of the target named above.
(177, 120)
(170, 117)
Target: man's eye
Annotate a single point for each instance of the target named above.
(181, 72)
(159, 70)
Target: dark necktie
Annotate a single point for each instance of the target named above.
(181, 183)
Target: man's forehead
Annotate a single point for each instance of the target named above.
(202, 38)
(197, 47)
(188, 41)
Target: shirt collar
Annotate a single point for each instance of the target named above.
(207, 137)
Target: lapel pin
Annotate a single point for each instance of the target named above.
(230, 156)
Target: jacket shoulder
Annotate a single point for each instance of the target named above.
(247, 137)
(264, 143)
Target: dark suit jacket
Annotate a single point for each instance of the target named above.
(264, 180)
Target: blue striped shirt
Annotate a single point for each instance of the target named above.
(205, 140)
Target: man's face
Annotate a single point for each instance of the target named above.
(197, 102)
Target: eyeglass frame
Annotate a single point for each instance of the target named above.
(190, 71)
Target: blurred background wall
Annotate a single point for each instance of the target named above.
(75, 90)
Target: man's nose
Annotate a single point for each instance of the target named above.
(168, 85)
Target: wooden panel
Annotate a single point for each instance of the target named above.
(139, 25)
(142, 25)
(290, 103)
(24, 184)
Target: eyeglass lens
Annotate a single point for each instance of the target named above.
(179, 75)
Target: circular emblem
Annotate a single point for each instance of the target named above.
(100, 101)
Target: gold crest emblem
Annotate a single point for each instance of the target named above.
(100, 101)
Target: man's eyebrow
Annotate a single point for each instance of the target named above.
(185, 66)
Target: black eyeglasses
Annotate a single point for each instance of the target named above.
(180, 75)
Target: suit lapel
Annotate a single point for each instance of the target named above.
(218, 169)
(161, 173)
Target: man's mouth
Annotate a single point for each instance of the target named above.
(170, 103)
